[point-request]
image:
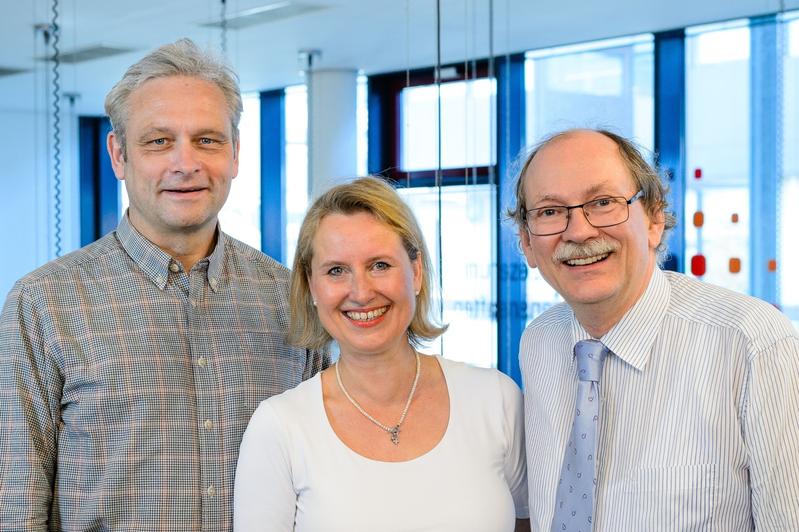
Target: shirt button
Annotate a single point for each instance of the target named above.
(213, 284)
(193, 302)
(208, 424)
(174, 268)
(211, 491)
(202, 362)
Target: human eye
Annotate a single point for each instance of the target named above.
(548, 212)
(335, 271)
(160, 141)
(604, 203)
(207, 141)
(381, 266)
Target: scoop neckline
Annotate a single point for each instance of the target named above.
(433, 450)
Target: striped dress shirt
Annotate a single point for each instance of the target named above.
(126, 384)
(699, 422)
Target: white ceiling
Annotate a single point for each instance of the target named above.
(371, 35)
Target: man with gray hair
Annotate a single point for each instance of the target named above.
(130, 368)
(653, 401)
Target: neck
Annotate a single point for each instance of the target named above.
(382, 379)
(599, 318)
(188, 247)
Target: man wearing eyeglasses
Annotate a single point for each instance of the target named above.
(653, 401)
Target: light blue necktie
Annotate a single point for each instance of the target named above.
(574, 501)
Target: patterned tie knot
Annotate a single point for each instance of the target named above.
(590, 356)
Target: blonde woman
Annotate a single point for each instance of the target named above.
(387, 439)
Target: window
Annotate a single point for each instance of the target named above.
(456, 207)
(607, 84)
(717, 217)
(466, 221)
(241, 215)
(468, 125)
(788, 255)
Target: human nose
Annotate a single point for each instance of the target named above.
(578, 228)
(361, 289)
(185, 160)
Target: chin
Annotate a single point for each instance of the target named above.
(587, 297)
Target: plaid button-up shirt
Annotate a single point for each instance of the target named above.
(126, 384)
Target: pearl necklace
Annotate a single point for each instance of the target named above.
(395, 430)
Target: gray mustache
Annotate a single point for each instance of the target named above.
(572, 250)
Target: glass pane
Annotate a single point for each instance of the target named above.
(607, 84)
(296, 179)
(241, 215)
(717, 154)
(467, 225)
(469, 125)
(788, 259)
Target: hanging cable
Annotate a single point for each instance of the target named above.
(506, 90)
(37, 113)
(56, 109)
(223, 26)
(438, 168)
(406, 116)
(438, 91)
(491, 77)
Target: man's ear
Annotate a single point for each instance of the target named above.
(236, 147)
(526, 245)
(116, 153)
(657, 225)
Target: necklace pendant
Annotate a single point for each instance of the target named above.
(394, 434)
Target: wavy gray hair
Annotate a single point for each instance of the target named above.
(180, 58)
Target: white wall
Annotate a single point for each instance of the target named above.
(27, 219)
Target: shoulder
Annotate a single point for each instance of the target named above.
(712, 306)
(246, 259)
(64, 270)
(295, 404)
(479, 381)
(555, 320)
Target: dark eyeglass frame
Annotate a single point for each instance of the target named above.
(638, 195)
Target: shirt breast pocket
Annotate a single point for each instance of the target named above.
(674, 498)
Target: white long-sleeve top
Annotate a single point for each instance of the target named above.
(294, 474)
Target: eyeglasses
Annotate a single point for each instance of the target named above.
(599, 212)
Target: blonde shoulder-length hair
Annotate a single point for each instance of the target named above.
(374, 196)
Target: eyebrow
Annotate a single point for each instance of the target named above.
(149, 132)
(167, 131)
(594, 190)
(207, 132)
(376, 258)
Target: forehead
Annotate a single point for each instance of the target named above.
(578, 164)
(177, 98)
(356, 233)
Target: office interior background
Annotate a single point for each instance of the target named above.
(441, 96)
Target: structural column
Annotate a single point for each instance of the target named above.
(332, 132)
